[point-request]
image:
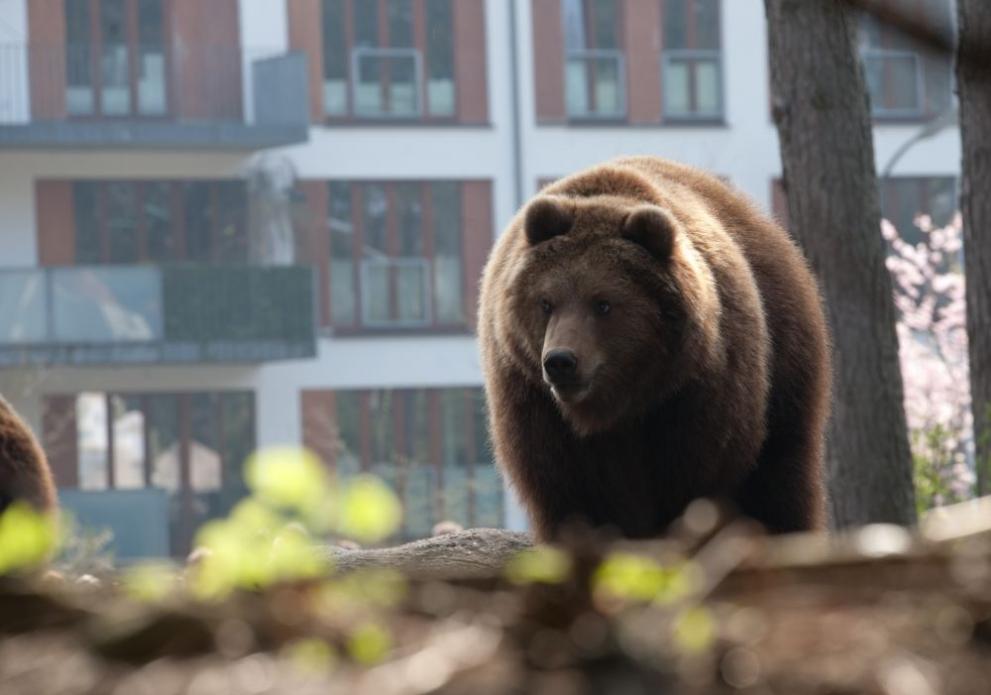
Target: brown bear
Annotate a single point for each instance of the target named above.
(24, 471)
(648, 337)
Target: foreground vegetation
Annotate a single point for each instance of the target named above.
(269, 605)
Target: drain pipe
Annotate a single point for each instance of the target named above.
(515, 102)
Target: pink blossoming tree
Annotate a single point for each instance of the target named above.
(932, 335)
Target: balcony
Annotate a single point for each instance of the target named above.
(150, 96)
(156, 314)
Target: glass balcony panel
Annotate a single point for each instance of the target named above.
(23, 307)
(107, 305)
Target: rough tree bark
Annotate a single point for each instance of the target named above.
(974, 84)
(821, 110)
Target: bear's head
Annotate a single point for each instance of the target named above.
(611, 307)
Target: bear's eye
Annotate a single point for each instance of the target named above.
(545, 306)
(602, 307)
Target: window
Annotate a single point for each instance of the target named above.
(396, 255)
(192, 445)
(116, 58)
(691, 74)
(595, 68)
(128, 222)
(430, 445)
(904, 198)
(388, 59)
(903, 79)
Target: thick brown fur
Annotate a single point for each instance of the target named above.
(24, 471)
(702, 351)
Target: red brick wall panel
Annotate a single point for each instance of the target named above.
(477, 235)
(306, 35)
(470, 61)
(46, 59)
(55, 221)
(548, 60)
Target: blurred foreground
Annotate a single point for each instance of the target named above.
(715, 608)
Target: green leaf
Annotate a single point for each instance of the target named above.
(370, 511)
(27, 537)
(694, 629)
(288, 477)
(369, 644)
(149, 582)
(539, 565)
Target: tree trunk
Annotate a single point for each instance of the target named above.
(974, 84)
(820, 107)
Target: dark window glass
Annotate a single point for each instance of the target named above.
(440, 58)
(89, 246)
(573, 12)
(605, 28)
(366, 23)
(78, 58)
(115, 94)
(335, 59)
(410, 219)
(156, 200)
(348, 422)
(335, 64)
(197, 206)
(448, 283)
(373, 224)
(400, 23)
(238, 421)
(231, 216)
(341, 254)
(675, 24)
(122, 219)
(151, 59)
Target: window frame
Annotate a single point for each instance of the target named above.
(591, 51)
(428, 229)
(888, 48)
(132, 39)
(401, 439)
(178, 210)
(693, 54)
(420, 51)
(183, 514)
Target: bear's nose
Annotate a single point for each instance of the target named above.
(561, 366)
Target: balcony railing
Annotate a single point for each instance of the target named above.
(150, 94)
(895, 83)
(693, 84)
(153, 314)
(595, 84)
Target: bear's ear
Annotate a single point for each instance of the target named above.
(653, 229)
(545, 219)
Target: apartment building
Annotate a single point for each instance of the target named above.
(241, 223)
